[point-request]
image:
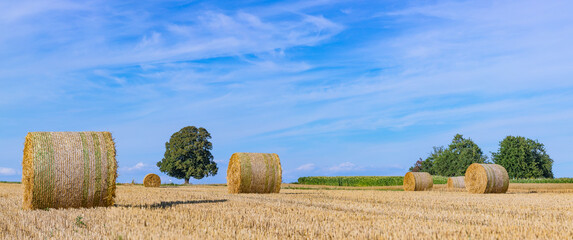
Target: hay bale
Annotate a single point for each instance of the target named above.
(254, 173)
(486, 178)
(68, 169)
(418, 181)
(151, 180)
(456, 182)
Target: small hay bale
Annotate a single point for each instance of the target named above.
(254, 173)
(418, 181)
(486, 178)
(68, 170)
(456, 182)
(151, 180)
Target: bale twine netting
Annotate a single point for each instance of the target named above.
(486, 178)
(151, 180)
(456, 183)
(254, 173)
(418, 181)
(68, 170)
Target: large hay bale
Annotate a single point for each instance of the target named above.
(151, 180)
(254, 173)
(418, 181)
(456, 182)
(486, 178)
(68, 169)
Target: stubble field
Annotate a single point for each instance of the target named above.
(527, 211)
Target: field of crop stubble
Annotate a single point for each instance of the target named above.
(300, 211)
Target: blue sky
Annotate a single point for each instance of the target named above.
(332, 87)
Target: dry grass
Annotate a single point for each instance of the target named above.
(209, 212)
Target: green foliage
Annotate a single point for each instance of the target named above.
(451, 161)
(343, 188)
(542, 180)
(439, 179)
(428, 164)
(366, 181)
(79, 222)
(523, 158)
(361, 181)
(459, 155)
(424, 165)
(187, 154)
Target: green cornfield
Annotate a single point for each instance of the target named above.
(542, 180)
(367, 181)
(362, 181)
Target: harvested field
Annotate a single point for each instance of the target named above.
(542, 211)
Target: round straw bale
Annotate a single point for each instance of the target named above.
(418, 181)
(456, 182)
(68, 169)
(486, 178)
(254, 173)
(151, 180)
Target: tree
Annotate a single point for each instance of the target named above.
(459, 155)
(187, 154)
(451, 161)
(428, 164)
(417, 166)
(523, 158)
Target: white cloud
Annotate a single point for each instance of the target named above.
(306, 167)
(137, 166)
(345, 166)
(133, 39)
(205, 33)
(219, 161)
(149, 41)
(7, 171)
(467, 72)
(14, 11)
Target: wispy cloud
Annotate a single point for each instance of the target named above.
(162, 36)
(306, 167)
(344, 167)
(15, 11)
(7, 171)
(137, 166)
(376, 83)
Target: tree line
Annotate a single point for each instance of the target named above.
(188, 154)
(522, 158)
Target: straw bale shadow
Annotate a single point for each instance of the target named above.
(300, 193)
(163, 205)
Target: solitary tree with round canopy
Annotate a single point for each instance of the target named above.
(187, 154)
